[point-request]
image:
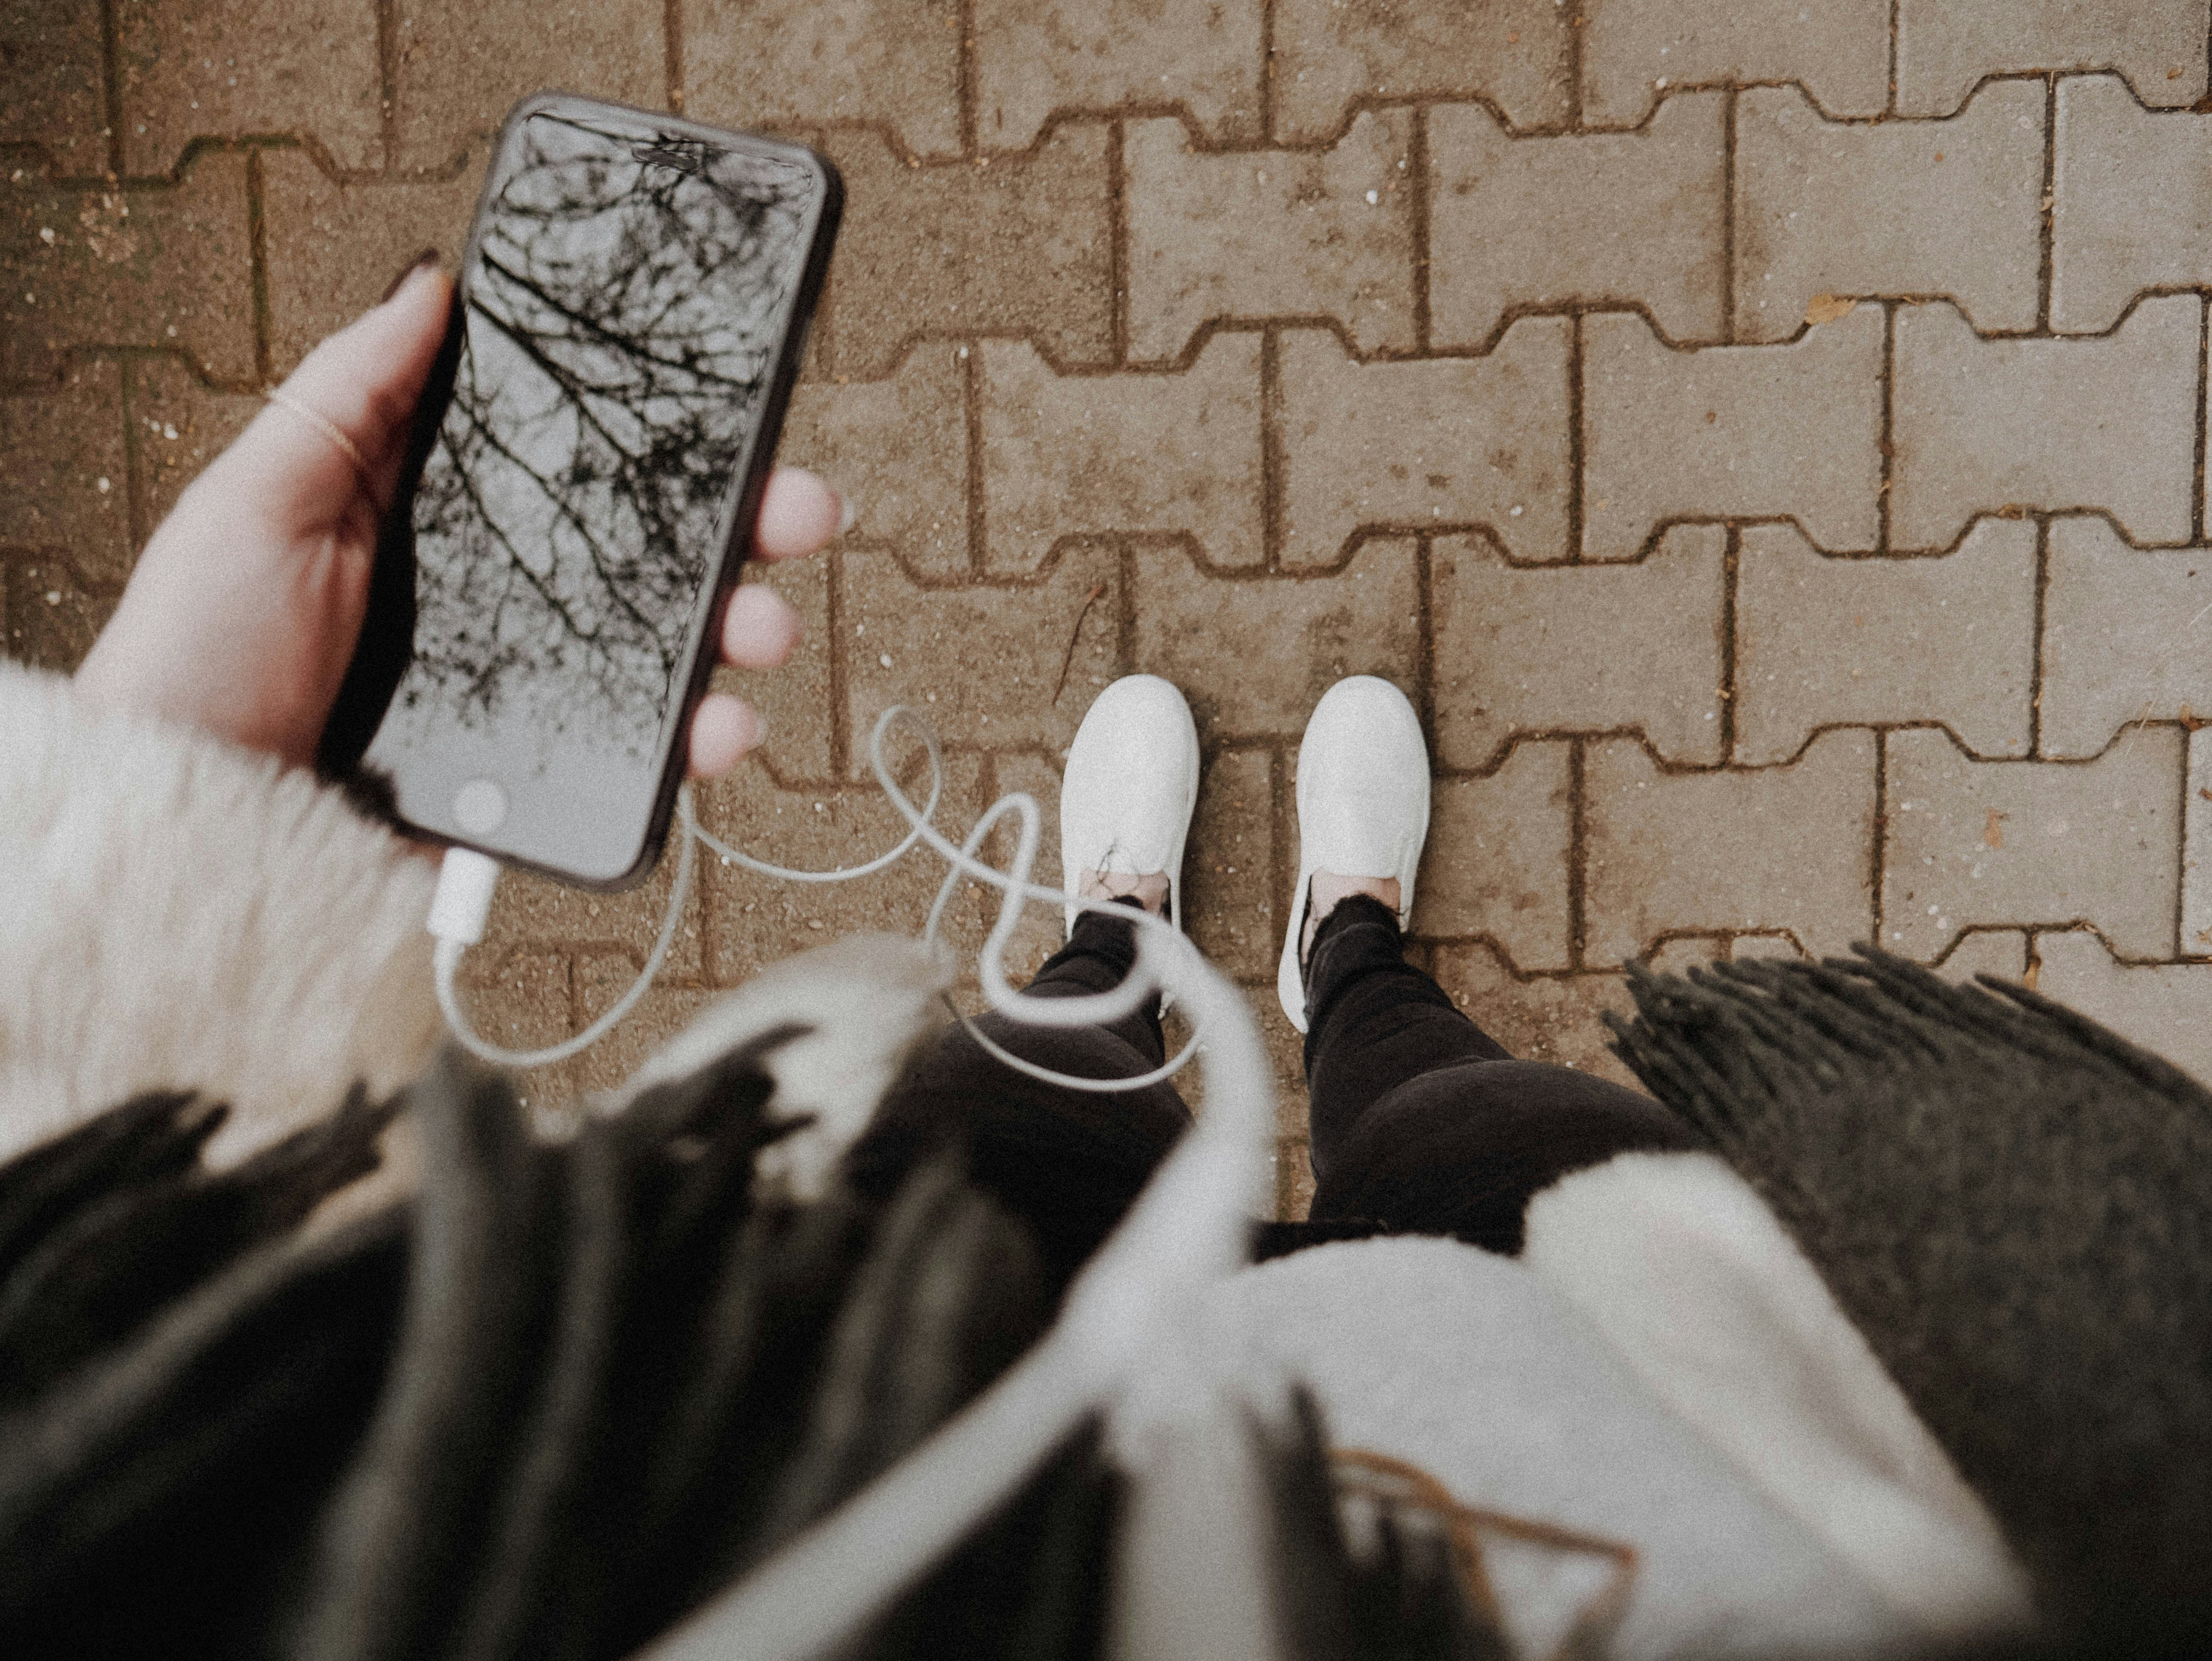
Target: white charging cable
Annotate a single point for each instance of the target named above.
(467, 880)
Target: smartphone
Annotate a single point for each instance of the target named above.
(585, 471)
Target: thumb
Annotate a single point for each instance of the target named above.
(365, 381)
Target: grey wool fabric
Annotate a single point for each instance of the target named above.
(2011, 1203)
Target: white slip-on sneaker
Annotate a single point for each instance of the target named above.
(1362, 804)
(1127, 793)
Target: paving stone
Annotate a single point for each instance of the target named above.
(69, 472)
(2196, 846)
(1041, 929)
(1442, 445)
(1270, 233)
(1898, 207)
(1254, 655)
(981, 663)
(1742, 431)
(787, 64)
(1286, 1048)
(457, 70)
(2013, 842)
(1999, 951)
(2166, 1008)
(1496, 863)
(50, 80)
(1164, 453)
(659, 1016)
(333, 247)
(1228, 894)
(797, 699)
(1822, 641)
(1561, 647)
(537, 914)
(1620, 218)
(2132, 204)
(1546, 1017)
(233, 69)
(1634, 49)
(1032, 59)
(178, 425)
(1291, 1173)
(1982, 425)
(897, 451)
(1005, 245)
(1512, 53)
(146, 265)
(1772, 849)
(521, 998)
(2125, 633)
(1294, 1181)
(50, 615)
(756, 921)
(1745, 948)
(1680, 953)
(1944, 48)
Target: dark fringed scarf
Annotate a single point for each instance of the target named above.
(2016, 1206)
(550, 1404)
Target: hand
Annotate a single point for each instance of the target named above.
(242, 613)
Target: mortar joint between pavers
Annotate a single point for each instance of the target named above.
(2040, 616)
(969, 100)
(1889, 106)
(1421, 940)
(1579, 852)
(387, 79)
(671, 53)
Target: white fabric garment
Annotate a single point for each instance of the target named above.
(1703, 1293)
(1461, 1362)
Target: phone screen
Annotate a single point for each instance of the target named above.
(625, 308)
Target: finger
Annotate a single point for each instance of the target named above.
(723, 730)
(760, 628)
(365, 381)
(798, 515)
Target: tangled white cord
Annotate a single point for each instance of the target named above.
(1185, 1229)
(467, 880)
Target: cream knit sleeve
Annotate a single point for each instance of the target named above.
(178, 912)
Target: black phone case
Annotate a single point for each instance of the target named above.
(386, 642)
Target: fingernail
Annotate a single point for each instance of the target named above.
(847, 513)
(429, 256)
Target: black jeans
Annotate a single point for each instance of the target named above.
(1421, 1124)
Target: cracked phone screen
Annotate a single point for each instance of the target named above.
(625, 306)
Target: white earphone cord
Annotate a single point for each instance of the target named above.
(467, 879)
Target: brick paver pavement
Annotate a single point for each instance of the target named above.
(1766, 439)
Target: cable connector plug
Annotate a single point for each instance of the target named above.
(462, 901)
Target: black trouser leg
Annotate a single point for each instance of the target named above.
(1420, 1121)
(1068, 1162)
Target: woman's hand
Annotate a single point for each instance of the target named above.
(242, 613)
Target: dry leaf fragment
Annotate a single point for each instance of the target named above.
(1827, 308)
(1993, 832)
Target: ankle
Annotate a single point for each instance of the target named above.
(1150, 891)
(1327, 890)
